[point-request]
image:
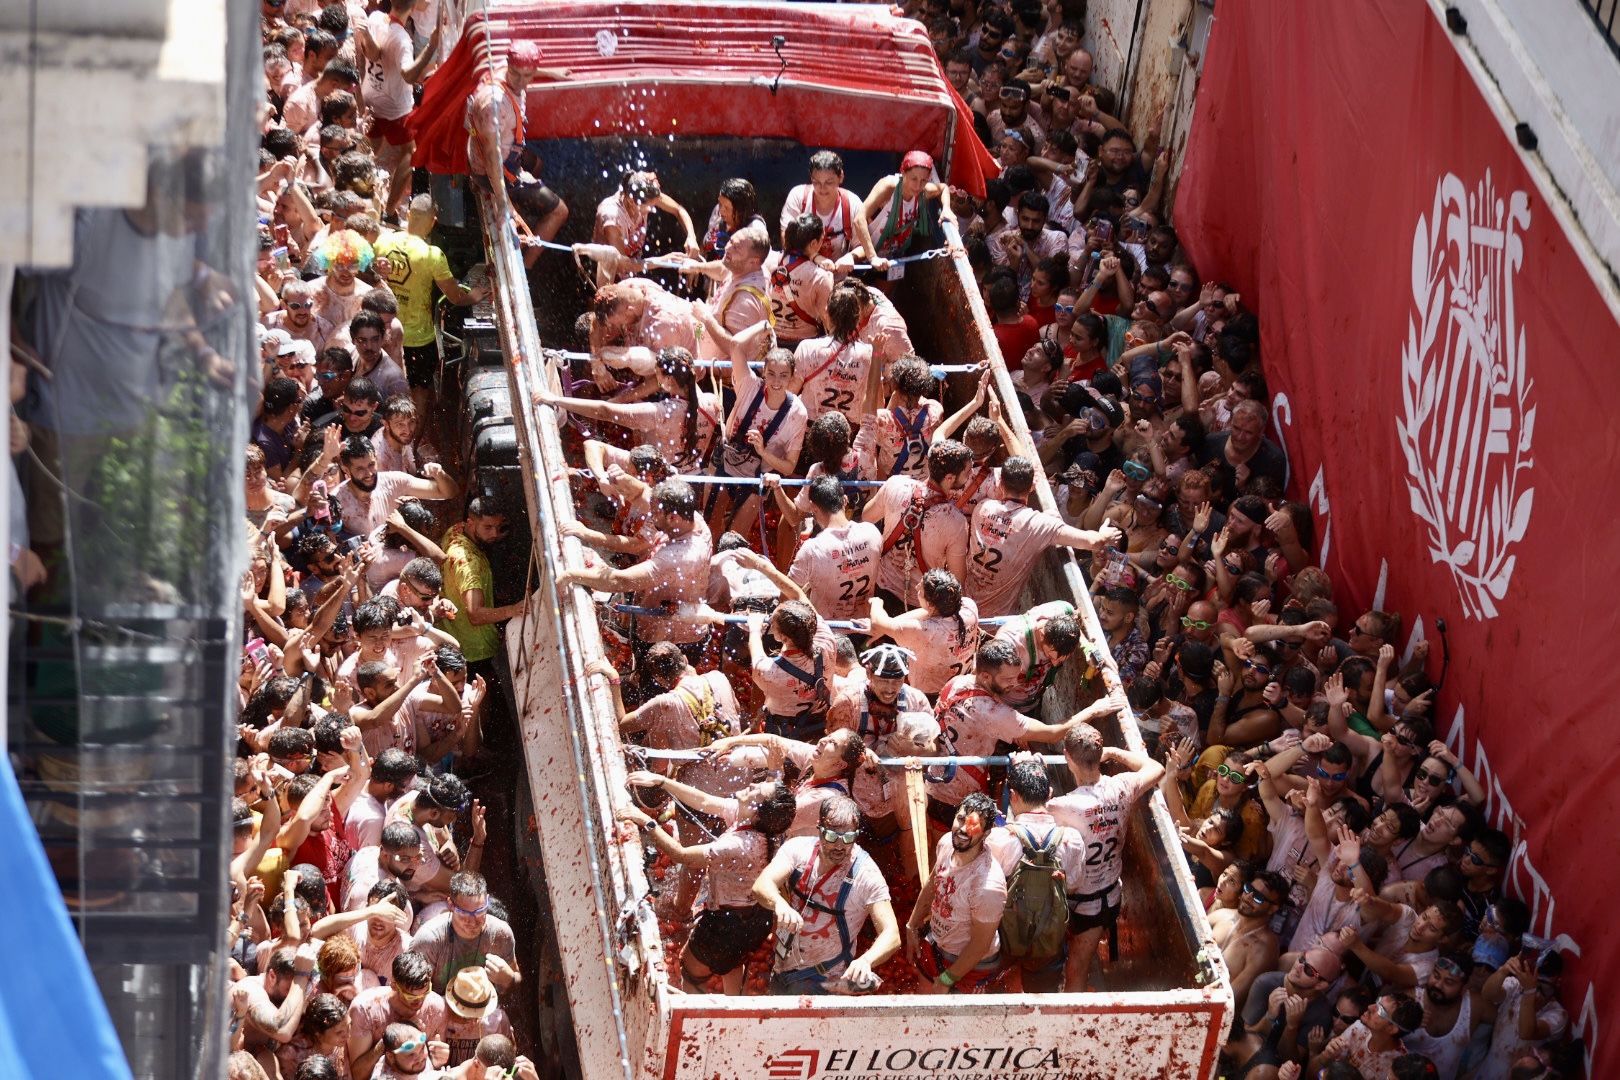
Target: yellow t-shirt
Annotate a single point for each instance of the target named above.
(413, 267)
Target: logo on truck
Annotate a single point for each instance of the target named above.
(967, 1062)
(1467, 418)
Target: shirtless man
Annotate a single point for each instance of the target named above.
(1007, 537)
(1244, 933)
(621, 219)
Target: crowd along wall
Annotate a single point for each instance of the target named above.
(1425, 299)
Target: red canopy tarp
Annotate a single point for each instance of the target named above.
(1422, 305)
(858, 78)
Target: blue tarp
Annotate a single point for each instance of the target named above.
(52, 1019)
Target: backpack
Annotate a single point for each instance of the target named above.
(1036, 920)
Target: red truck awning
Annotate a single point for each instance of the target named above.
(858, 77)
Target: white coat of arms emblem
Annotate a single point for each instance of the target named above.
(1467, 415)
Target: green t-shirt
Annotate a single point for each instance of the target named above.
(414, 265)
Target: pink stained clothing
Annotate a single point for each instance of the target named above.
(964, 895)
(834, 375)
(838, 223)
(885, 330)
(941, 535)
(338, 309)
(786, 694)
(390, 458)
(1033, 670)
(899, 438)
(318, 331)
(290, 1054)
(1324, 913)
(971, 722)
(944, 647)
(838, 568)
(798, 295)
(810, 792)
(984, 482)
(850, 469)
(372, 1011)
(631, 221)
(738, 303)
(377, 954)
(301, 109)
(667, 321)
(671, 721)
(1099, 813)
(680, 578)
(463, 1035)
(733, 862)
(430, 722)
(1008, 848)
(784, 442)
(363, 825)
(664, 425)
(1005, 540)
(368, 510)
(818, 941)
(388, 95)
(1356, 1050)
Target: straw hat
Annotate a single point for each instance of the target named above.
(470, 994)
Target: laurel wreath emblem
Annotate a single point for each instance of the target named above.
(1467, 419)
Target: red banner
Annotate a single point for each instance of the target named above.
(1423, 308)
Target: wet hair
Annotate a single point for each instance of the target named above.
(665, 662)
(675, 497)
(496, 1052)
(271, 696)
(801, 232)
(356, 447)
(947, 458)
(397, 835)
(425, 572)
(676, 363)
(467, 883)
(642, 187)
(1017, 475)
(1083, 745)
(1002, 296)
(827, 494)
(826, 160)
(446, 792)
(840, 810)
(1062, 632)
(743, 198)
(911, 377)
(997, 653)
(795, 622)
(829, 439)
(361, 388)
(367, 320)
(1231, 822)
(411, 968)
(372, 615)
(326, 1011)
(647, 460)
(370, 673)
(731, 541)
(1028, 780)
(391, 891)
(943, 592)
(843, 315)
(280, 394)
(394, 766)
(978, 803)
(314, 1066)
(774, 816)
(290, 742)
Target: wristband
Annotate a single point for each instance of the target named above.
(946, 979)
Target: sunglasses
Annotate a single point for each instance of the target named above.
(470, 912)
(1135, 470)
(1151, 306)
(1253, 665)
(1310, 972)
(1336, 777)
(1258, 895)
(415, 1042)
(412, 995)
(1012, 93)
(1449, 967)
(1194, 624)
(1406, 740)
(1237, 776)
(1063, 309)
(299, 305)
(833, 836)
(1058, 93)
(1168, 548)
(1476, 858)
(1428, 777)
(327, 376)
(1351, 1018)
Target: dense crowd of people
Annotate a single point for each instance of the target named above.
(810, 559)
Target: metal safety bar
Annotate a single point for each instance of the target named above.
(858, 625)
(888, 762)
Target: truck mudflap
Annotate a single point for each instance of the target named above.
(1100, 1036)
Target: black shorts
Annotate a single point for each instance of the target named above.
(422, 364)
(1103, 920)
(723, 938)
